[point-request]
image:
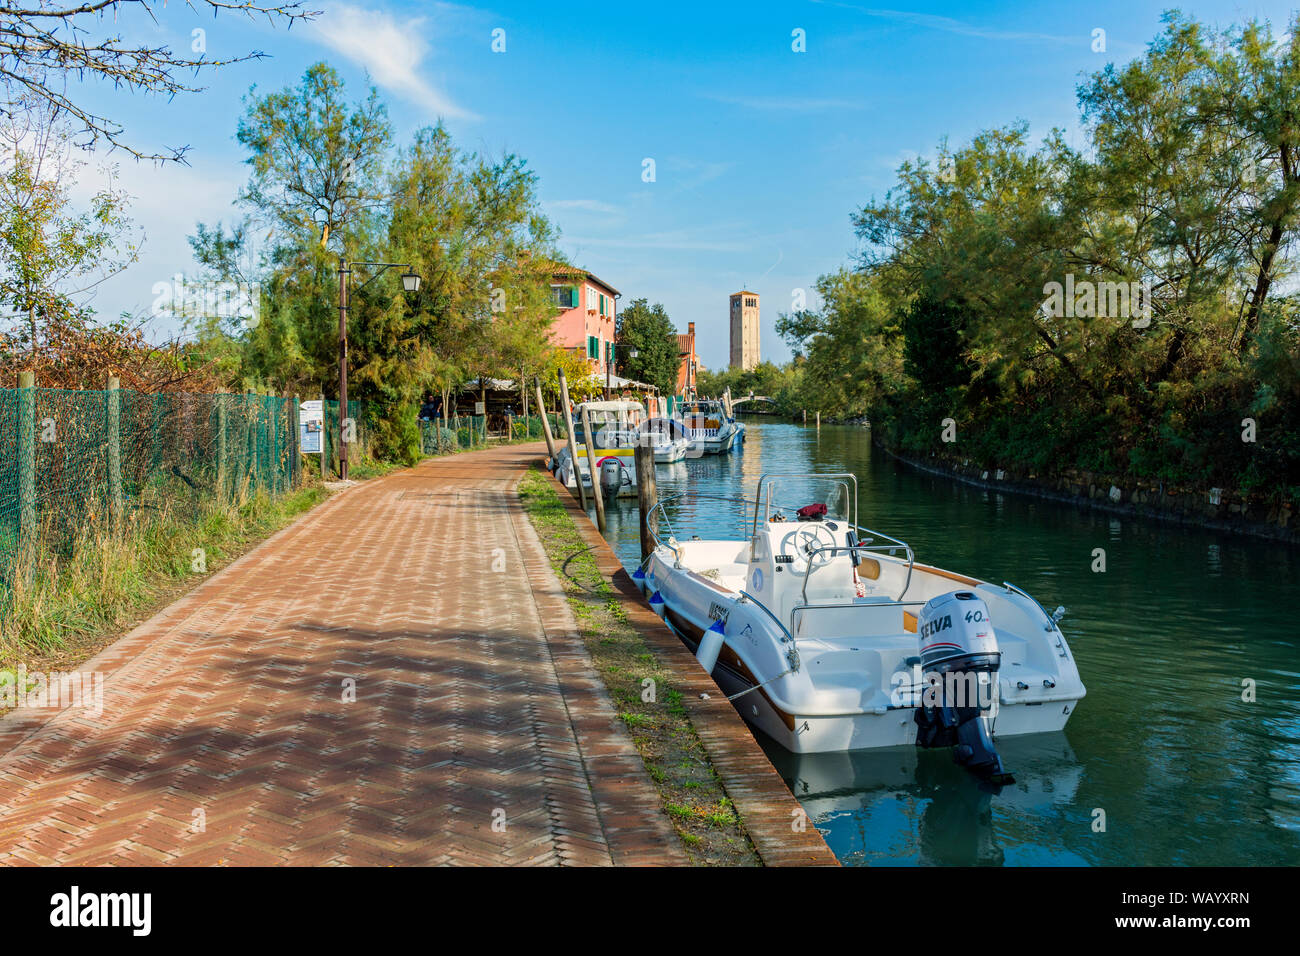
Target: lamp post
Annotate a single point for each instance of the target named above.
(631, 354)
(410, 283)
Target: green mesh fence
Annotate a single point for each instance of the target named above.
(358, 435)
(73, 460)
(464, 432)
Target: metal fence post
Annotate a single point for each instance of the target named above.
(113, 447)
(273, 426)
(222, 464)
(254, 423)
(27, 458)
(324, 436)
(295, 443)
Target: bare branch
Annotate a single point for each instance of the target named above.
(42, 47)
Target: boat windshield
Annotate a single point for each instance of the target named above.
(702, 408)
(786, 492)
(607, 419)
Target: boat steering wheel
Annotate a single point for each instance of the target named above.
(803, 541)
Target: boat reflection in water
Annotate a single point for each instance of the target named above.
(911, 807)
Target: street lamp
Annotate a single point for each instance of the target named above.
(410, 283)
(631, 354)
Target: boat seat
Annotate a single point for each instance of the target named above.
(856, 620)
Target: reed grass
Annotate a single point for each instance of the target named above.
(64, 598)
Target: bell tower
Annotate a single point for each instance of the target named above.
(744, 329)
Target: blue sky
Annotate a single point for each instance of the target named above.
(761, 153)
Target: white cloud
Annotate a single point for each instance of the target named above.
(392, 51)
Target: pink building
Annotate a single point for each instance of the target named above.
(689, 365)
(587, 311)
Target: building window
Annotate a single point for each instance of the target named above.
(593, 347)
(566, 296)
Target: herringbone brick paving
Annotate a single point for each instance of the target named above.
(372, 685)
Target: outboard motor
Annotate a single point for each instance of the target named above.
(611, 476)
(960, 660)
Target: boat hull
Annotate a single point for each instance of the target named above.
(750, 664)
(718, 444)
(570, 476)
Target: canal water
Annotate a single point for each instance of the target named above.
(1163, 762)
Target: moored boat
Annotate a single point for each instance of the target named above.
(614, 425)
(830, 636)
(711, 430)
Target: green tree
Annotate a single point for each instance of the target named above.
(649, 331)
(1180, 209)
(327, 183)
(52, 254)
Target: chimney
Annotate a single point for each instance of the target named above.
(690, 328)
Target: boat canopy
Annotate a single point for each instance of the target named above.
(612, 406)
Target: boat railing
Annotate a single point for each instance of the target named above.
(888, 544)
(660, 512)
(1050, 620)
(792, 655)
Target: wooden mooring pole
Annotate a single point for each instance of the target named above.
(647, 493)
(546, 425)
(589, 441)
(573, 445)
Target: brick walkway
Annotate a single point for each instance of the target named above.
(226, 735)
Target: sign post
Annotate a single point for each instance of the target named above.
(311, 424)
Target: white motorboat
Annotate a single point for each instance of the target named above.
(618, 429)
(612, 424)
(711, 430)
(829, 636)
(667, 439)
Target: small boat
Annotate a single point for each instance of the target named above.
(711, 430)
(668, 439)
(829, 636)
(619, 429)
